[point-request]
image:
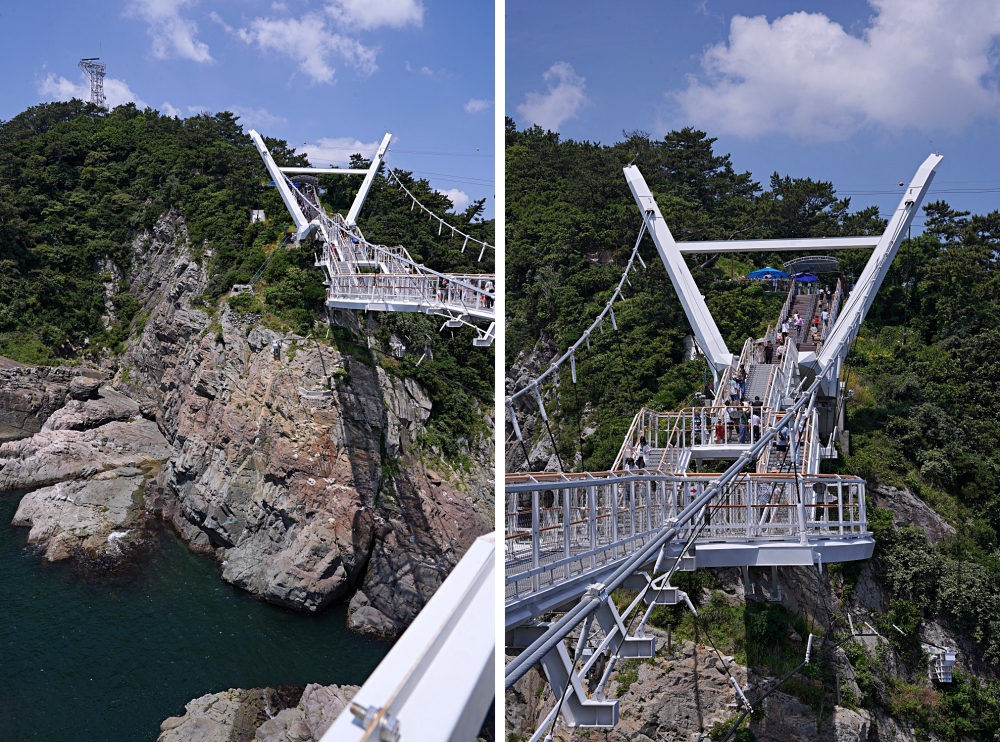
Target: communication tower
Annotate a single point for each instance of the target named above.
(95, 69)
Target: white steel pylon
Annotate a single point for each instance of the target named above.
(365, 276)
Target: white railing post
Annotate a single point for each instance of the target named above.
(592, 518)
(536, 546)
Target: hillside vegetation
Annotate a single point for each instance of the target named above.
(924, 370)
(78, 184)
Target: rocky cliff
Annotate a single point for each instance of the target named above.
(298, 472)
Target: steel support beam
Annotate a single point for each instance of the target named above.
(704, 327)
(797, 245)
(302, 225)
(437, 682)
(359, 199)
(845, 329)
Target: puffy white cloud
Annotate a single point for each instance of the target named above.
(116, 92)
(459, 199)
(564, 98)
(337, 151)
(475, 105)
(170, 110)
(172, 35)
(308, 41)
(257, 118)
(368, 15)
(928, 64)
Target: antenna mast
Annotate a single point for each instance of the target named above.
(95, 69)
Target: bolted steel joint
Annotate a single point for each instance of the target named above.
(386, 726)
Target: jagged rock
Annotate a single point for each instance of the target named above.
(787, 719)
(675, 698)
(105, 407)
(28, 396)
(83, 387)
(83, 514)
(233, 715)
(53, 456)
(910, 509)
(303, 493)
(317, 710)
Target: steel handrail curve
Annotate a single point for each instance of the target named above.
(590, 602)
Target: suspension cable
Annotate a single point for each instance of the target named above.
(394, 177)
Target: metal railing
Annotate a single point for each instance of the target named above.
(562, 526)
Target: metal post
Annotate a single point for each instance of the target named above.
(567, 528)
(536, 554)
(631, 511)
(840, 504)
(592, 505)
(614, 517)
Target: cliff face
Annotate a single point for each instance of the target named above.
(304, 493)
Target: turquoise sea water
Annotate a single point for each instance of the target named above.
(85, 657)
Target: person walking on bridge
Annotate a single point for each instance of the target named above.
(643, 453)
(768, 352)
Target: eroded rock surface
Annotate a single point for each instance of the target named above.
(673, 697)
(236, 715)
(298, 473)
(910, 509)
(89, 514)
(28, 396)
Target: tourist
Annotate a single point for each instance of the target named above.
(755, 425)
(720, 430)
(734, 390)
(643, 451)
(781, 444)
(826, 318)
(743, 425)
(741, 380)
(768, 352)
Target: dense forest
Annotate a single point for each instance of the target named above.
(924, 371)
(78, 184)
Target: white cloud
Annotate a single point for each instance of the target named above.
(368, 15)
(337, 151)
(318, 37)
(920, 63)
(172, 35)
(308, 41)
(171, 111)
(459, 199)
(475, 105)
(116, 92)
(564, 99)
(426, 71)
(257, 118)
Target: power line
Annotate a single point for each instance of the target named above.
(443, 154)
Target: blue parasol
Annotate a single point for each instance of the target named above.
(767, 273)
(805, 278)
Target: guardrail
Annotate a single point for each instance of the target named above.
(562, 526)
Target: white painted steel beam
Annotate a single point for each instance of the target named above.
(359, 199)
(302, 225)
(805, 244)
(704, 327)
(437, 683)
(323, 171)
(859, 301)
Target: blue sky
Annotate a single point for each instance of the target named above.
(335, 74)
(851, 92)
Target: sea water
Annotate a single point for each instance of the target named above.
(88, 656)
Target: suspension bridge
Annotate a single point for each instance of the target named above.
(572, 539)
(365, 276)
(451, 641)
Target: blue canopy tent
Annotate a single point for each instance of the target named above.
(805, 278)
(767, 273)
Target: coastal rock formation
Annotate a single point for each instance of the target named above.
(29, 395)
(297, 472)
(86, 466)
(674, 696)
(93, 514)
(273, 714)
